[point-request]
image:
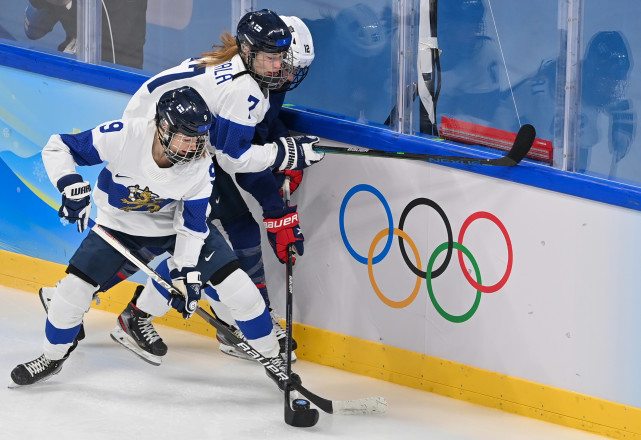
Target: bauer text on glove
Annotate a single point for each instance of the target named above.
(282, 230)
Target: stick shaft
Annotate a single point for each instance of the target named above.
(521, 146)
(435, 158)
(289, 287)
(117, 245)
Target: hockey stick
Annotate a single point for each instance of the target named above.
(522, 144)
(367, 405)
(298, 413)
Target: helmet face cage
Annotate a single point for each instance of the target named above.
(183, 121)
(264, 41)
(270, 70)
(294, 80)
(178, 147)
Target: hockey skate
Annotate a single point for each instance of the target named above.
(45, 294)
(281, 334)
(35, 371)
(136, 333)
(227, 346)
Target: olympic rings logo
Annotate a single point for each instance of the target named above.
(447, 246)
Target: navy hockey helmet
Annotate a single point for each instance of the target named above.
(264, 41)
(183, 121)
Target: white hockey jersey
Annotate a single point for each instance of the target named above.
(237, 103)
(133, 195)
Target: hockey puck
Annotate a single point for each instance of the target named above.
(300, 404)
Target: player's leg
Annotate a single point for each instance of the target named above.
(134, 329)
(244, 236)
(146, 255)
(46, 294)
(240, 295)
(67, 307)
(127, 270)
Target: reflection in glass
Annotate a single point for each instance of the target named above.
(351, 72)
(472, 72)
(606, 67)
(123, 27)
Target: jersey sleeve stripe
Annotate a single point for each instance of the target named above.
(195, 215)
(82, 148)
(231, 138)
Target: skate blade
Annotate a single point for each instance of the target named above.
(119, 335)
(231, 351)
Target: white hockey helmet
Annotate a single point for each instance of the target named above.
(302, 49)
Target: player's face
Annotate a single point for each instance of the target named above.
(268, 64)
(183, 145)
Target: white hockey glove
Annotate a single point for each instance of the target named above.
(296, 153)
(76, 200)
(187, 281)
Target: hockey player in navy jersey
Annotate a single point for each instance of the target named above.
(153, 192)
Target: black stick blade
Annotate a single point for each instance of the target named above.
(522, 144)
(302, 418)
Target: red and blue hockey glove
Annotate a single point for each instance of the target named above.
(295, 179)
(282, 230)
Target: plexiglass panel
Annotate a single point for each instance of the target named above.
(611, 91)
(352, 72)
(498, 63)
(150, 35)
(24, 25)
(177, 30)
(503, 63)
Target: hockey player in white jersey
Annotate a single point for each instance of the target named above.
(231, 210)
(235, 81)
(232, 130)
(153, 192)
